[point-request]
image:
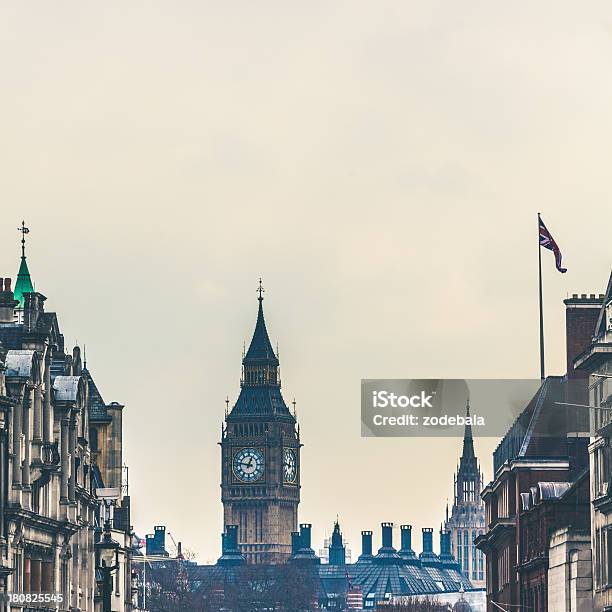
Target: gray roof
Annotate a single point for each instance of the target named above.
(19, 363)
(97, 406)
(11, 335)
(66, 388)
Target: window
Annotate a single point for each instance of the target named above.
(598, 560)
(94, 439)
(606, 570)
(459, 548)
(480, 561)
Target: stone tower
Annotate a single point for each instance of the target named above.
(467, 520)
(260, 457)
(337, 550)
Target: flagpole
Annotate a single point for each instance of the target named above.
(542, 375)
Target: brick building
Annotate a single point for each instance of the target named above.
(540, 472)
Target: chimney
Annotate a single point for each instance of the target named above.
(581, 314)
(444, 542)
(386, 553)
(304, 554)
(33, 308)
(230, 553)
(427, 539)
(366, 544)
(295, 542)
(305, 535)
(387, 535)
(7, 301)
(232, 537)
(406, 534)
(406, 552)
(446, 558)
(428, 558)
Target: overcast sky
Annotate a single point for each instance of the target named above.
(379, 164)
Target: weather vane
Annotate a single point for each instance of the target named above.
(24, 230)
(261, 291)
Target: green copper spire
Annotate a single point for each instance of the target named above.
(24, 282)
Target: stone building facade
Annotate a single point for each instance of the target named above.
(50, 511)
(467, 519)
(569, 571)
(596, 363)
(260, 457)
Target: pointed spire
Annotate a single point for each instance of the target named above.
(468, 440)
(468, 482)
(24, 282)
(260, 350)
(337, 550)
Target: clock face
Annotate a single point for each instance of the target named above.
(289, 465)
(248, 464)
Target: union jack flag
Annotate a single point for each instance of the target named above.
(548, 242)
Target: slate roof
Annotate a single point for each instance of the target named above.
(260, 350)
(19, 363)
(375, 579)
(97, 405)
(66, 388)
(11, 335)
(260, 401)
(539, 429)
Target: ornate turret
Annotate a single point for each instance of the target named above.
(467, 518)
(24, 282)
(468, 482)
(337, 550)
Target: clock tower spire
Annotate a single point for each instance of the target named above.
(260, 450)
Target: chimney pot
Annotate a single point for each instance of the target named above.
(427, 539)
(295, 542)
(305, 534)
(387, 535)
(406, 535)
(7, 284)
(366, 543)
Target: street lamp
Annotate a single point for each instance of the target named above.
(108, 562)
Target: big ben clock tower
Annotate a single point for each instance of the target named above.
(260, 457)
